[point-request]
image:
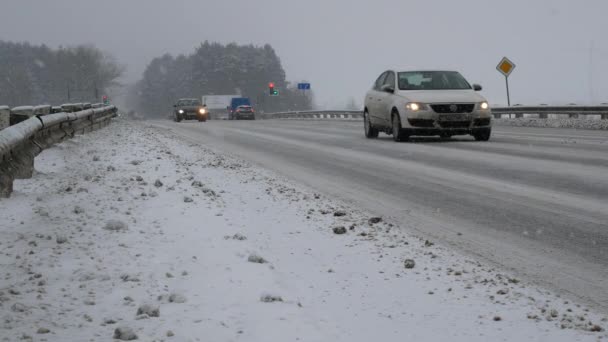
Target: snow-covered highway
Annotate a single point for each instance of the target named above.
(139, 232)
(532, 200)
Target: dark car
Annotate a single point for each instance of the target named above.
(243, 112)
(190, 109)
(240, 108)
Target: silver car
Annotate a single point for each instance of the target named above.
(434, 102)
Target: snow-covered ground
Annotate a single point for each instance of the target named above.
(131, 229)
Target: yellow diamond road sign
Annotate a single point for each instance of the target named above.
(505, 66)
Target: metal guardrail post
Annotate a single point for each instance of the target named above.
(23, 164)
(6, 181)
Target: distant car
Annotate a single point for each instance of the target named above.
(189, 109)
(240, 108)
(243, 112)
(433, 102)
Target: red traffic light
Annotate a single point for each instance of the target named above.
(270, 85)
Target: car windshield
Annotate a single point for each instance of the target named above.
(432, 80)
(192, 102)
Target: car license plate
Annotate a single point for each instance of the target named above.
(455, 117)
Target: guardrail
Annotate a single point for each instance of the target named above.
(21, 143)
(542, 112)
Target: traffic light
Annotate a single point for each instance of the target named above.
(271, 90)
(106, 101)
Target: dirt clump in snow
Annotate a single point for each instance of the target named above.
(150, 310)
(339, 230)
(268, 298)
(115, 226)
(339, 213)
(236, 236)
(256, 259)
(125, 334)
(177, 298)
(374, 220)
(409, 263)
(60, 239)
(43, 331)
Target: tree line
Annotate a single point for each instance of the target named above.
(216, 69)
(37, 74)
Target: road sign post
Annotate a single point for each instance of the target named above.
(505, 67)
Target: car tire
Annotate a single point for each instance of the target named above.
(483, 135)
(178, 118)
(370, 131)
(398, 133)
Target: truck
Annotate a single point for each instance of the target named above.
(217, 105)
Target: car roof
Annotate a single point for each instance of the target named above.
(424, 70)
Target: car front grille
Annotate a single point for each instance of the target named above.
(454, 124)
(453, 108)
(421, 122)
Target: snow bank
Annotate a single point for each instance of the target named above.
(137, 261)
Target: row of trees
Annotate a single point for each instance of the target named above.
(32, 74)
(216, 69)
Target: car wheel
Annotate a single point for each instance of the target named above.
(398, 134)
(370, 131)
(179, 119)
(483, 135)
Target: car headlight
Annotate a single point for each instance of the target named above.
(416, 106)
(181, 111)
(202, 111)
(484, 105)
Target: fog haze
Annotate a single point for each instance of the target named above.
(340, 47)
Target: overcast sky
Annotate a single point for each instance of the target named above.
(560, 47)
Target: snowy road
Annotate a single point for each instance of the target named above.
(532, 200)
(134, 232)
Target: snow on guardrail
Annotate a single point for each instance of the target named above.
(20, 143)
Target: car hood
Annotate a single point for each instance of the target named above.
(189, 107)
(441, 96)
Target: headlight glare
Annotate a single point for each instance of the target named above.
(181, 111)
(484, 105)
(202, 111)
(415, 106)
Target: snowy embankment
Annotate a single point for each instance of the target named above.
(131, 232)
(580, 123)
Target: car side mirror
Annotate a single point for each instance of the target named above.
(477, 87)
(387, 88)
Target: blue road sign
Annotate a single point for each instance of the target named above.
(304, 86)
